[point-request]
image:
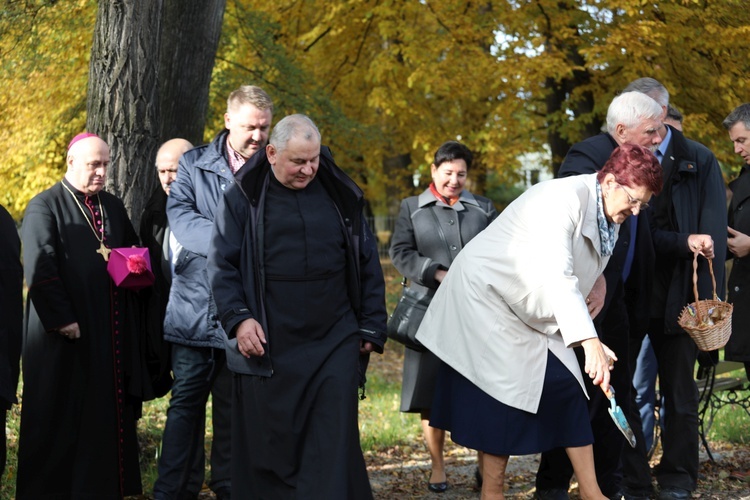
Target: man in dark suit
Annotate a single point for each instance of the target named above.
(738, 348)
(632, 118)
(154, 233)
(737, 124)
(689, 216)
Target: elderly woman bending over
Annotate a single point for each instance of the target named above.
(513, 305)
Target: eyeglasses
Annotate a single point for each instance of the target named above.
(634, 202)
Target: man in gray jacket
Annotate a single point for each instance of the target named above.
(191, 323)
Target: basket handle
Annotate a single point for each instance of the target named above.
(695, 282)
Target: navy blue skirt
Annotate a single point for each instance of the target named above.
(478, 421)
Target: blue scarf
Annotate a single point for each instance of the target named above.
(606, 230)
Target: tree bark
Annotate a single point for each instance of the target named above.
(137, 101)
(190, 36)
(122, 105)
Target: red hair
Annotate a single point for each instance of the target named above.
(634, 166)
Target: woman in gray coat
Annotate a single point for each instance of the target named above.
(430, 231)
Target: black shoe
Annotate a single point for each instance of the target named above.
(552, 494)
(437, 487)
(671, 493)
(478, 478)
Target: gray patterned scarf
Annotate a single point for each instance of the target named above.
(606, 230)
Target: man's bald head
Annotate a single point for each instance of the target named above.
(87, 160)
(167, 161)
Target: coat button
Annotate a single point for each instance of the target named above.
(451, 222)
(736, 289)
(453, 247)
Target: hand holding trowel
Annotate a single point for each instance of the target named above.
(595, 351)
(619, 417)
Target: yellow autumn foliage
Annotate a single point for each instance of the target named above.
(45, 53)
(389, 81)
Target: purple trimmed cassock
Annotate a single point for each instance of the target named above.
(78, 416)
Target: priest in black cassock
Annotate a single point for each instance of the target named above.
(78, 418)
(297, 281)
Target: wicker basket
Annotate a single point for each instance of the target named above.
(708, 322)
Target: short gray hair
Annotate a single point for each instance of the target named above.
(740, 114)
(293, 125)
(630, 108)
(674, 114)
(652, 88)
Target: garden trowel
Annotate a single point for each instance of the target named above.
(619, 417)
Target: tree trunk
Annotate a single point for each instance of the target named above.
(190, 36)
(122, 105)
(137, 101)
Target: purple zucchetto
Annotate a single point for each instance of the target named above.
(80, 137)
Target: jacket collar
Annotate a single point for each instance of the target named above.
(214, 159)
(427, 198)
(740, 190)
(678, 151)
(251, 178)
(611, 140)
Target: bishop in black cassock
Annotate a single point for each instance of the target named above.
(78, 417)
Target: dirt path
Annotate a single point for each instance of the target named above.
(406, 477)
(403, 474)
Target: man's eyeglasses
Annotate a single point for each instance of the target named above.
(634, 202)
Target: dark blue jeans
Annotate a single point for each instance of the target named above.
(644, 382)
(198, 372)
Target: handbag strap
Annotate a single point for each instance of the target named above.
(440, 229)
(441, 233)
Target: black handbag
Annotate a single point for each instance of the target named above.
(404, 322)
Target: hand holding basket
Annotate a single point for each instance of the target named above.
(708, 322)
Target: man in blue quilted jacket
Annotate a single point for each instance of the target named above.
(191, 323)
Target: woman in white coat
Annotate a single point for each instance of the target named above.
(513, 305)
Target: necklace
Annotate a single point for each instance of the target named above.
(103, 250)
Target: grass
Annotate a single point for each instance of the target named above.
(381, 423)
(731, 424)
(731, 421)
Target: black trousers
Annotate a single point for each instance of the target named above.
(676, 355)
(555, 469)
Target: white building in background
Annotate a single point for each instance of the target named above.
(534, 168)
